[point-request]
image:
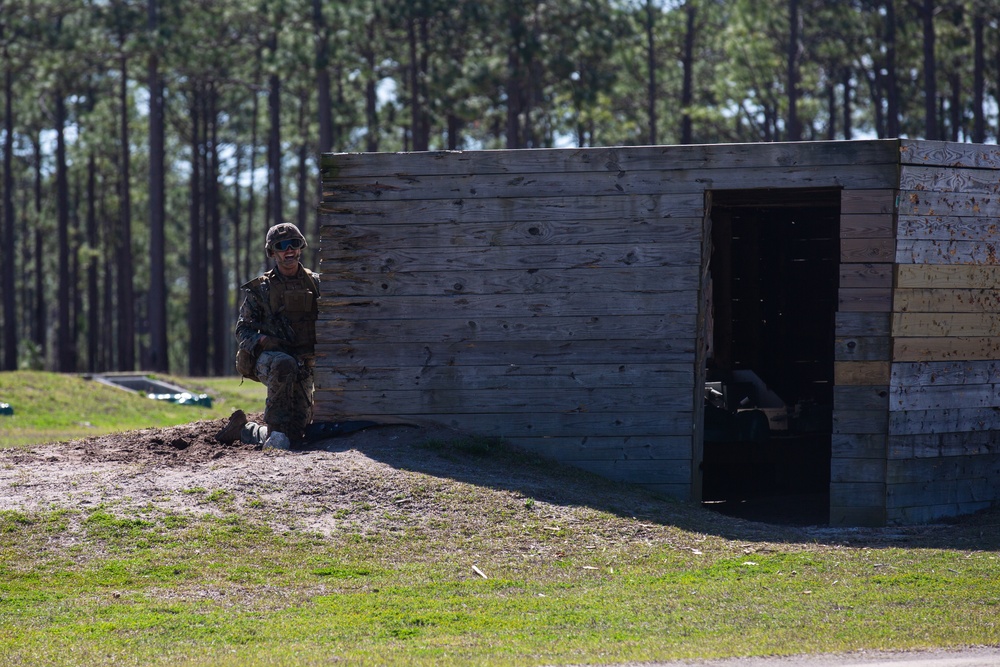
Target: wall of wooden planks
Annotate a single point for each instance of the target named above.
(553, 298)
(943, 455)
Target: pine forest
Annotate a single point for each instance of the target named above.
(149, 144)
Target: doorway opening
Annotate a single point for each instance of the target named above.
(772, 302)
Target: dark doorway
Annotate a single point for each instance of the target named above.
(772, 303)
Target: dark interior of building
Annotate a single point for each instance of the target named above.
(769, 378)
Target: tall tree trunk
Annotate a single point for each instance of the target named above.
(197, 304)
(651, 86)
(416, 101)
(158, 354)
(930, 71)
(39, 318)
(371, 97)
(251, 239)
(978, 79)
(220, 325)
(515, 92)
(325, 101)
(126, 294)
(67, 346)
(891, 80)
(275, 203)
(9, 266)
(687, 89)
(794, 49)
(848, 108)
(93, 299)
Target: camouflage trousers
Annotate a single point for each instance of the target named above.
(288, 408)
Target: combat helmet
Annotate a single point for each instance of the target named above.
(282, 232)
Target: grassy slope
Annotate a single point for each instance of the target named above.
(51, 407)
(96, 587)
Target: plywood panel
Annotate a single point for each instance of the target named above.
(402, 234)
(946, 349)
(864, 300)
(931, 204)
(866, 226)
(862, 324)
(861, 373)
(863, 470)
(858, 348)
(867, 202)
(931, 373)
(949, 179)
(861, 397)
(949, 420)
(950, 276)
(934, 445)
(616, 159)
(860, 421)
(948, 154)
(866, 275)
(859, 446)
(947, 228)
(946, 300)
(389, 187)
(919, 251)
(865, 251)
(916, 397)
(945, 324)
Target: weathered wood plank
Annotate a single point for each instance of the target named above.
(402, 233)
(510, 377)
(862, 324)
(946, 300)
(675, 473)
(527, 425)
(857, 494)
(389, 186)
(857, 516)
(509, 305)
(382, 260)
(867, 251)
(950, 420)
(861, 373)
(953, 276)
(947, 228)
(866, 226)
(860, 421)
(919, 251)
(484, 329)
(520, 400)
(936, 470)
(854, 202)
(858, 446)
(864, 300)
(916, 325)
(946, 349)
(931, 204)
(948, 154)
(504, 352)
(663, 279)
(915, 397)
(613, 159)
(626, 207)
(909, 516)
(859, 348)
(867, 275)
(654, 449)
(950, 179)
(862, 397)
(952, 491)
(927, 374)
(933, 445)
(864, 471)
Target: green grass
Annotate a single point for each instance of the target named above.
(52, 407)
(162, 589)
(151, 586)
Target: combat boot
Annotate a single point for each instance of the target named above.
(232, 430)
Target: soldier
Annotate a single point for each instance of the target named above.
(276, 336)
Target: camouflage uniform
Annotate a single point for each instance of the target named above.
(284, 308)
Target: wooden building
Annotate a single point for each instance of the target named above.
(578, 302)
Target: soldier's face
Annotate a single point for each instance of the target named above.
(287, 260)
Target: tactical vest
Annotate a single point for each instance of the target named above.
(294, 299)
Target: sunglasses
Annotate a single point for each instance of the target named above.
(282, 246)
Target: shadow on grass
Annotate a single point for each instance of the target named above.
(492, 463)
